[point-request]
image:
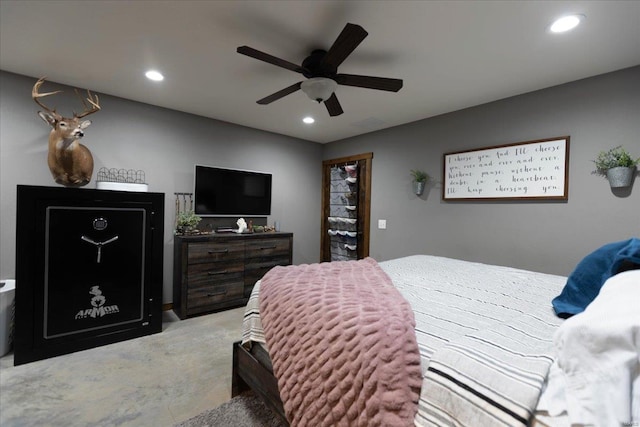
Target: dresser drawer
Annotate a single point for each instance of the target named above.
(267, 247)
(214, 251)
(199, 275)
(257, 268)
(210, 297)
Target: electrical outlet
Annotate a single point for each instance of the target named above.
(382, 224)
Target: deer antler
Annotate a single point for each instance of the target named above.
(94, 101)
(35, 95)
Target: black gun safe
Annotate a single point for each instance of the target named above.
(88, 269)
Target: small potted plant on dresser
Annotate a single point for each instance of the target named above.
(420, 179)
(617, 165)
(187, 222)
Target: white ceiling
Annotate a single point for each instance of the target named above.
(450, 54)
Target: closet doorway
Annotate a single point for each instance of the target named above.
(346, 206)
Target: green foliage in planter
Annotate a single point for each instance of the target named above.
(615, 157)
(419, 176)
(188, 219)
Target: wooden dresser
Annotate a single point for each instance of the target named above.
(218, 271)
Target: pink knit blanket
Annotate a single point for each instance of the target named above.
(342, 342)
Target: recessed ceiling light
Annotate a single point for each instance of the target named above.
(154, 75)
(308, 120)
(566, 23)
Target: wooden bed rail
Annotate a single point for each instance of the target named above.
(249, 374)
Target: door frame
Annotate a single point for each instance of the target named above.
(363, 206)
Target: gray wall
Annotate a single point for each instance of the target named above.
(165, 144)
(598, 113)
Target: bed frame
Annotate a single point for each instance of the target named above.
(249, 373)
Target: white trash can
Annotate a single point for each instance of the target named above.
(7, 298)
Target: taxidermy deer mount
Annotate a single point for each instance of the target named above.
(70, 162)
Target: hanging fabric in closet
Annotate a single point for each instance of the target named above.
(343, 212)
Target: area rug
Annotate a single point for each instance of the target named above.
(245, 410)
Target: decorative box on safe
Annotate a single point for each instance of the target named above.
(88, 269)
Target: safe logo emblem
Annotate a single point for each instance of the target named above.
(99, 308)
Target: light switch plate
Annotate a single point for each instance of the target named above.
(382, 224)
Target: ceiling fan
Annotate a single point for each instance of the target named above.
(321, 70)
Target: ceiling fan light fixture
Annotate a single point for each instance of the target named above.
(319, 89)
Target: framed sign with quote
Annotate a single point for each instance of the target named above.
(525, 170)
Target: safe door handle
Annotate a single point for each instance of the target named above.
(99, 245)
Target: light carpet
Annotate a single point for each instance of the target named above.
(245, 410)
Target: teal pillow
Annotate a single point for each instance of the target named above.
(583, 285)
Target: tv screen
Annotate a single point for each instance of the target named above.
(231, 192)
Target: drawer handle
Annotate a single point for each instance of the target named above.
(215, 273)
(268, 247)
(220, 251)
(215, 294)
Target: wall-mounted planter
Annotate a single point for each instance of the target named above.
(620, 176)
(420, 178)
(617, 165)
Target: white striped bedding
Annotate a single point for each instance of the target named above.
(485, 336)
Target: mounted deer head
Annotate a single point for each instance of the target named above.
(70, 162)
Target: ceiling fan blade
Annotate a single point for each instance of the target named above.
(350, 37)
(249, 51)
(280, 94)
(333, 106)
(379, 83)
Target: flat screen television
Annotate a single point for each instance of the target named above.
(231, 192)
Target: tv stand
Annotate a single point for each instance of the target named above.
(217, 271)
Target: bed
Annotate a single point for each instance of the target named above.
(485, 336)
